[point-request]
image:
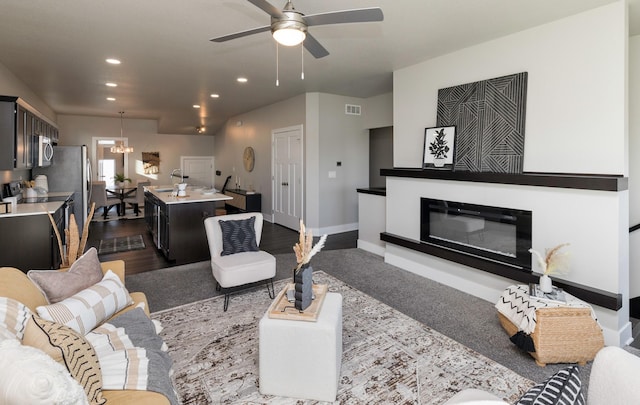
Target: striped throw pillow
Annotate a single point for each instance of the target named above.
(90, 307)
(562, 388)
(13, 318)
(78, 356)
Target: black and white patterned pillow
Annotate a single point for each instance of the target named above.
(562, 388)
(238, 236)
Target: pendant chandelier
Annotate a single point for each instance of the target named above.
(119, 146)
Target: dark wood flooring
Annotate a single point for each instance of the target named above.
(275, 239)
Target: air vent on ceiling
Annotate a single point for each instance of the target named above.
(352, 109)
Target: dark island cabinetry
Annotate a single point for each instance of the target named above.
(178, 229)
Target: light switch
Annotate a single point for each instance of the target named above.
(332, 175)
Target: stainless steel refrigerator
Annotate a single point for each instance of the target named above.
(70, 171)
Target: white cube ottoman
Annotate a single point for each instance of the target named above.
(302, 359)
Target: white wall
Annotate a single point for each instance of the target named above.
(254, 129)
(575, 123)
(331, 205)
(575, 96)
(343, 140)
(634, 165)
(142, 136)
(10, 85)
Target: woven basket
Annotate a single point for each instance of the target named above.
(562, 335)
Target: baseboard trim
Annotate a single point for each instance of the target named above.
(371, 247)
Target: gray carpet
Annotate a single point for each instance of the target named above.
(462, 317)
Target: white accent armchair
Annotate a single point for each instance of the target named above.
(241, 268)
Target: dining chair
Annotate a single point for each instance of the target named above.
(136, 199)
(99, 196)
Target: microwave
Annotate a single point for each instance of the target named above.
(43, 151)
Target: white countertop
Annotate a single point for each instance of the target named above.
(193, 195)
(38, 208)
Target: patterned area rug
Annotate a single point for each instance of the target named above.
(121, 244)
(113, 216)
(387, 356)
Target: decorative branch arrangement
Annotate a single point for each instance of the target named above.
(76, 245)
(554, 262)
(438, 147)
(304, 251)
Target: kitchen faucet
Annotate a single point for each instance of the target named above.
(173, 174)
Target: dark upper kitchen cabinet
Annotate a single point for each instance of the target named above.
(7, 135)
(20, 125)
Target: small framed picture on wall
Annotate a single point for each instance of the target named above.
(439, 143)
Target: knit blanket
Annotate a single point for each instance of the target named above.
(519, 307)
(132, 356)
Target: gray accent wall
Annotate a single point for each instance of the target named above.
(380, 154)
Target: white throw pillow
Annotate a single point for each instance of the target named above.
(90, 307)
(29, 377)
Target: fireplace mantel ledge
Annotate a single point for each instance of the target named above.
(599, 182)
(591, 295)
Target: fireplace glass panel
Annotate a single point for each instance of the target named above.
(495, 233)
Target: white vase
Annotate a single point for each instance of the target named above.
(30, 193)
(546, 285)
(438, 162)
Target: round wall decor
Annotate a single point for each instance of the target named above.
(248, 158)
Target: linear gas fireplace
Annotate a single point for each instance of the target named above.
(494, 233)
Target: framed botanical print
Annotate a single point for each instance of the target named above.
(439, 144)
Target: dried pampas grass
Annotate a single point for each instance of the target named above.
(303, 249)
(554, 262)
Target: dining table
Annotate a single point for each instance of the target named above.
(122, 192)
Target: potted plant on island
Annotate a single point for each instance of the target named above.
(120, 179)
(439, 148)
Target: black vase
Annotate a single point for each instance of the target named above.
(303, 287)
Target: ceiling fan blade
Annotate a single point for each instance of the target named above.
(313, 46)
(267, 8)
(345, 16)
(241, 34)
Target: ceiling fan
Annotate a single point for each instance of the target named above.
(289, 27)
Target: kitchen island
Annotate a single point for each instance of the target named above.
(177, 223)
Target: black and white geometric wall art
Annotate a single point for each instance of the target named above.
(489, 116)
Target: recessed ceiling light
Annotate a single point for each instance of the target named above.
(113, 61)
(109, 84)
(111, 98)
(215, 95)
(196, 106)
(242, 79)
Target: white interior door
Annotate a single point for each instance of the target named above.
(200, 170)
(287, 176)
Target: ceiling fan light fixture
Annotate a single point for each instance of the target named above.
(289, 36)
(290, 29)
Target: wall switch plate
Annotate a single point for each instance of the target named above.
(332, 174)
